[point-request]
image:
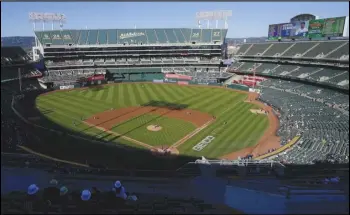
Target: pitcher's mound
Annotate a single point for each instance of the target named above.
(154, 128)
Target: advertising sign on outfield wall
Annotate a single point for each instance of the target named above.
(169, 80)
(182, 82)
(158, 81)
(67, 87)
(176, 76)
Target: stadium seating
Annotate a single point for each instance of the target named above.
(106, 203)
(131, 36)
(13, 55)
(309, 111)
(336, 77)
(303, 49)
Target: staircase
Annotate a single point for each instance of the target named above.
(309, 49)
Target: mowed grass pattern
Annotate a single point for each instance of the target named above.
(243, 128)
(172, 129)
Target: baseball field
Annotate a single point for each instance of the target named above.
(192, 120)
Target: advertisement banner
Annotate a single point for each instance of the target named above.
(67, 87)
(330, 27)
(96, 78)
(170, 80)
(158, 81)
(182, 82)
(288, 30)
(316, 28)
(177, 76)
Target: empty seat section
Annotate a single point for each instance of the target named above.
(196, 35)
(323, 48)
(162, 38)
(243, 49)
(46, 38)
(206, 35)
(277, 48)
(247, 66)
(344, 50)
(344, 76)
(216, 35)
(112, 36)
(75, 35)
(298, 48)
(83, 37)
(67, 38)
(303, 70)
(283, 68)
(179, 35)
(324, 73)
(187, 34)
(56, 38)
(171, 36)
(92, 37)
(258, 48)
(102, 37)
(265, 68)
(151, 36)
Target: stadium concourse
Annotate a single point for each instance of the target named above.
(305, 82)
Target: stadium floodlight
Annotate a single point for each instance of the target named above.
(214, 16)
(35, 17)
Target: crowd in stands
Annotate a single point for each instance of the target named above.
(59, 198)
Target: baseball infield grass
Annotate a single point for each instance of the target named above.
(235, 126)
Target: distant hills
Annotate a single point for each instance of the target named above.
(25, 42)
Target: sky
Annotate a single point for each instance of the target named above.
(249, 19)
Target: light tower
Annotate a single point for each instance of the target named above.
(217, 16)
(43, 18)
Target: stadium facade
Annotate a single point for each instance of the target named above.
(127, 54)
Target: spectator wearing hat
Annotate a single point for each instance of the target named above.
(52, 193)
(119, 190)
(86, 205)
(32, 199)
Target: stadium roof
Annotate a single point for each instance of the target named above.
(131, 36)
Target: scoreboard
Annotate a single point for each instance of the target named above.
(330, 27)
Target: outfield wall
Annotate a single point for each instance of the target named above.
(164, 80)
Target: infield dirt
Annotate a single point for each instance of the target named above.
(110, 118)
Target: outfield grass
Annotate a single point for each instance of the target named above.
(243, 129)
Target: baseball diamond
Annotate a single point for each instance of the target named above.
(186, 115)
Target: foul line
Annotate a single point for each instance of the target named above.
(188, 136)
(119, 135)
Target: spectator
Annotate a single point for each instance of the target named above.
(51, 194)
(85, 205)
(32, 198)
(119, 190)
(85, 195)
